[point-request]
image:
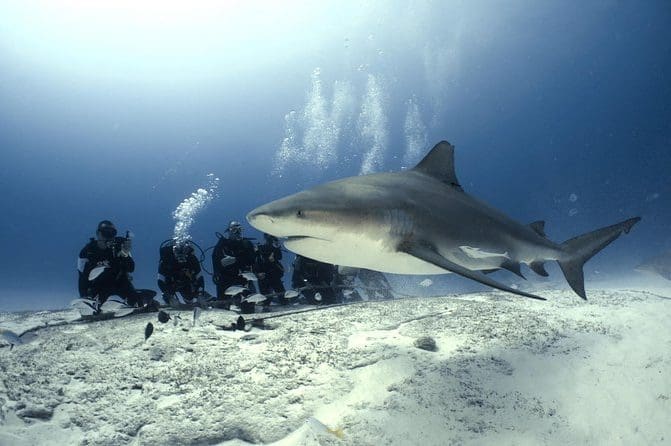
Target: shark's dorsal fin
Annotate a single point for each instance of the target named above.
(439, 164)
(538, 227)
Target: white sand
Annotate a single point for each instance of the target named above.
(507, 371)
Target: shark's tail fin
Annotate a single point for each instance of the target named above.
(580, 249)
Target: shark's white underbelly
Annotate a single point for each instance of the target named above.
(360, 252)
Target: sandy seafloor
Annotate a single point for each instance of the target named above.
(508, 370)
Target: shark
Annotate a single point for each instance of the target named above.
(421, 221)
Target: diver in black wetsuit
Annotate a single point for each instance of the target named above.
(179, 272)
(269, 269)
(109, 257)
(314, 279)
(231, 256)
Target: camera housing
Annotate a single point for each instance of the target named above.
(116, 243)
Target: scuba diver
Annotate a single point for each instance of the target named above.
(105, 265)
(233, 255)
(269, 269)
(314, 279)
(179, 272)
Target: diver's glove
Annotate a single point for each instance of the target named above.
(228, 261)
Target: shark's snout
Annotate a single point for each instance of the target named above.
(259, 217)
(263, 219)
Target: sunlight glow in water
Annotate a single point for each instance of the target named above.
(155, 40)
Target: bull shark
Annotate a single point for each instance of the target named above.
(420, 221)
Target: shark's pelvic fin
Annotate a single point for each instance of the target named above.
(580, 249)
(439, 163)
(513, 267)
(538, 268)
(430, 255)
(538, 227)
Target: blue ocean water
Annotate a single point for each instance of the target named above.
(559, 111)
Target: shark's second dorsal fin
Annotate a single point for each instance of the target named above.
(439, 163)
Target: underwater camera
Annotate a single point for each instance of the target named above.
(117, 243)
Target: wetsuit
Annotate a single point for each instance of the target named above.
(270, 270)
(115, 279)
(183, 277)
(312, 277)
(228, 275)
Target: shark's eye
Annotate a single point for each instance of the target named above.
(299, 213)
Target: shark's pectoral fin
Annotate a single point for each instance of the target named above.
(430, 255)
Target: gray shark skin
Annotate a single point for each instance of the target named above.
(421, 221)
(659, 265)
